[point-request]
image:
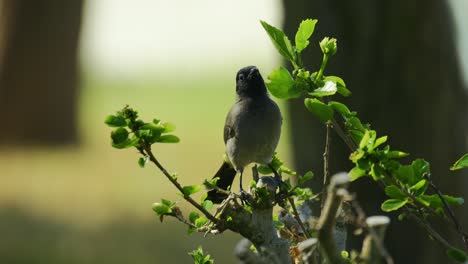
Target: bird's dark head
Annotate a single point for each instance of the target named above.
(249, 82)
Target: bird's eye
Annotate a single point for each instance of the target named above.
(241, 77)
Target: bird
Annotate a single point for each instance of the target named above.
(251, 131)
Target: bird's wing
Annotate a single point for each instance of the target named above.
(229, 131)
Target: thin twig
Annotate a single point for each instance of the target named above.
(326, 157)
(352, 146)
(430, 230)
(347, 140)
(449, 211)
(298, 218)
(189, 199)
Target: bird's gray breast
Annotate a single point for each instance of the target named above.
(252, 131)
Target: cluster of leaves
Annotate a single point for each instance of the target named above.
(298, 191)
(286, 85)
(200, 258)
(406, 185)
(130, 131)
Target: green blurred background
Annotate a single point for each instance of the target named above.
(66, 196)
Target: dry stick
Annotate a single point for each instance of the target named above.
(326, 222)
(189, 199)
(370, 251)
(449, 211)
(379, 243)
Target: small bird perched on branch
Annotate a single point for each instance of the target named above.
(251, 131)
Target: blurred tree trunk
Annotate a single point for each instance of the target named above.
(39, 70)
(400, 61)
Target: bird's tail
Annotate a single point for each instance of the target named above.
(226, 176)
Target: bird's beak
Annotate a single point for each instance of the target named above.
(254, 72)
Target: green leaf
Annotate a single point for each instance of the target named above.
(340, 85)
(142, 161)
(357, 155)
(168, 127)
(161, 209)
(328, 89)
(115, 121)
(376, 171)
(395, 154)
(127, 143)
(119, 135)
(306, 29)
(435, 201)
(306, 177)
(340, 108)
(420, 167)
(210, 184)
(193, 216)
(322, 111)
(461, 163)
(394, 192)
(457, 255)
(280, 41)
(207, 204)
(191, 189)
(418, 185)
(379, 141)
(199, 257)
(200, 221)
(393, 204)
(168, 139)
(282, 84)
(356, 173)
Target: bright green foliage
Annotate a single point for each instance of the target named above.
(142, 161)
(340, 85)
(281, 84)
(278, 224)
(323, 111)
(210, 184)
(306, 177)
(305, 30)
(394, 192)
(328, 46)
(165, 207)
(197, 221)
(115, 121)
(461, 163)
(393, 204)
(280, 41)
(277, 164)
(134, 132)
(328, 89)
(199, 257)
(207, 204)
(191, 189)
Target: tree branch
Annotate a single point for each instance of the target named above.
(189, 199)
